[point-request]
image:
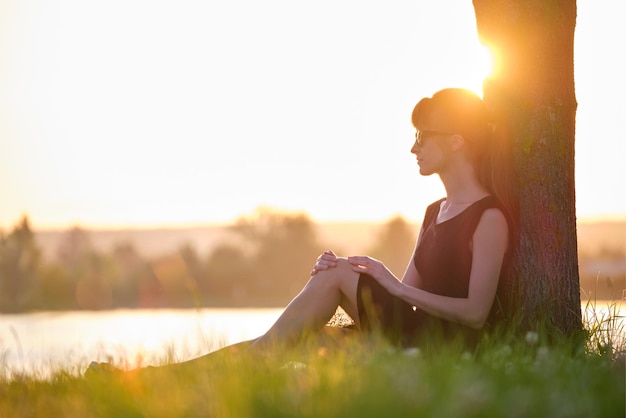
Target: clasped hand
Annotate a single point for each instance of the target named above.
(360, 264)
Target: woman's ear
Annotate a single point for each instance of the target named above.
(456, 142)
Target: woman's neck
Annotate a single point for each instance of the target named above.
(462, 185)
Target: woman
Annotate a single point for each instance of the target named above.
(463, 247)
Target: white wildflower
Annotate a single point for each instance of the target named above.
(412, 352)
(294, 365)
(532, 338)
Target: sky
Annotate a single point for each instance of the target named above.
(165, 113)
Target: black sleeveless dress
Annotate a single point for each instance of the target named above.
(443, 259)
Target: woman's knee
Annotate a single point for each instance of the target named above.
(342, 271)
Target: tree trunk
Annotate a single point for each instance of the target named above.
(532, 90)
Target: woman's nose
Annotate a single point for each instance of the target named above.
(415, 148)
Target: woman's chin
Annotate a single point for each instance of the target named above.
(425, 172)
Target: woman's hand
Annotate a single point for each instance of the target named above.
(327, 260)
(376, 269)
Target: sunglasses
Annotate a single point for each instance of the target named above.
(419, 136)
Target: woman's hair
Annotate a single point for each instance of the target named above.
(462, 112)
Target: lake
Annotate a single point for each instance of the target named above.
(39, 343)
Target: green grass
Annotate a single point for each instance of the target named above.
(536, 376)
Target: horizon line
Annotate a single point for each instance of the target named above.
(217, 224)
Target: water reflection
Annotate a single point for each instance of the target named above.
(39, 343)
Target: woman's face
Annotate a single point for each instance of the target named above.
(430, 150)
(432, 141)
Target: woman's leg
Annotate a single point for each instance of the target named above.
(309, 311)
(313, 307)
(229, 352)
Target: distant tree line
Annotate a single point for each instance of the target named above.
(266, 262)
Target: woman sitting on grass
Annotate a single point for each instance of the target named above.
(464, 245)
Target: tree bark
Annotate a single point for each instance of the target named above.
(532, 91)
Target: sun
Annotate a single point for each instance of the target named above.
(481, 66)
(458, 59)
(485, 63)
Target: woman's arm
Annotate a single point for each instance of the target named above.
(489, 244)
